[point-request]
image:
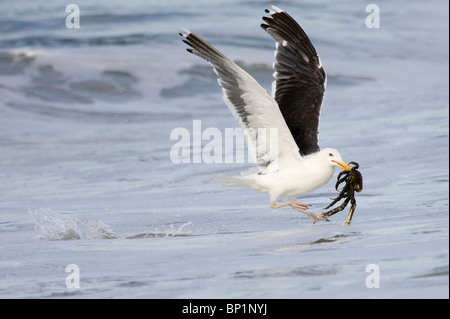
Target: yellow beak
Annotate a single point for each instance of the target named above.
(343, 165)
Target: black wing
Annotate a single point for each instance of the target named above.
(300, 79)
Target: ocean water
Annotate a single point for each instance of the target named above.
(86, 116)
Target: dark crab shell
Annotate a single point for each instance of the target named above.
(353, 183)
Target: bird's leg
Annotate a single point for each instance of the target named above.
(275, 206)
(296, 205)
(291, 203)
(314, 218)
(300, 207)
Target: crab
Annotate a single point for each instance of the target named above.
(354, 183)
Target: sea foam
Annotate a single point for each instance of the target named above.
(56, 226)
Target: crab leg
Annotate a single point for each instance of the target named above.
(350, 214)
(336, 210)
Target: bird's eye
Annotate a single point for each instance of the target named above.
(331, 154)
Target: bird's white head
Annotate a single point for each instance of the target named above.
(333, 158)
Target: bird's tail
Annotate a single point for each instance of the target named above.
(233, 181)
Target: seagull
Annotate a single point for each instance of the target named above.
(282, 128)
